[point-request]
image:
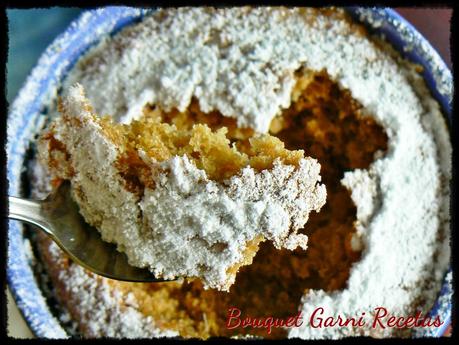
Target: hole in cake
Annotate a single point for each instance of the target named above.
(327, 124)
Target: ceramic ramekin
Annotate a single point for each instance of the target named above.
(25, 117)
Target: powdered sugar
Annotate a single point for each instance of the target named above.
(205, 224)
(405, 231)
(99, 304)
(364, 192)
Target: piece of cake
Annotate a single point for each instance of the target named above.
(181, 202)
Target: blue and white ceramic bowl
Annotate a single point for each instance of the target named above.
(60, 56)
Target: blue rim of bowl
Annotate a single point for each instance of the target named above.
(85, 32)
(57, 59)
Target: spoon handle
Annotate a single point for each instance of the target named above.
(29, 211)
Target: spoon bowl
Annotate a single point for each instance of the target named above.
(59, 218)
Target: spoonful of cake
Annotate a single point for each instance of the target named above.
(175, 194)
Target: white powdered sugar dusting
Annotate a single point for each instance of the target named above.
(100, 305)
(364, 192)
(208, 223)
(188, 225)
(241, 62)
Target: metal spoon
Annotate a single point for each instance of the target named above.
(58, 217)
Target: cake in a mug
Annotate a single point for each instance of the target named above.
(226, 125)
